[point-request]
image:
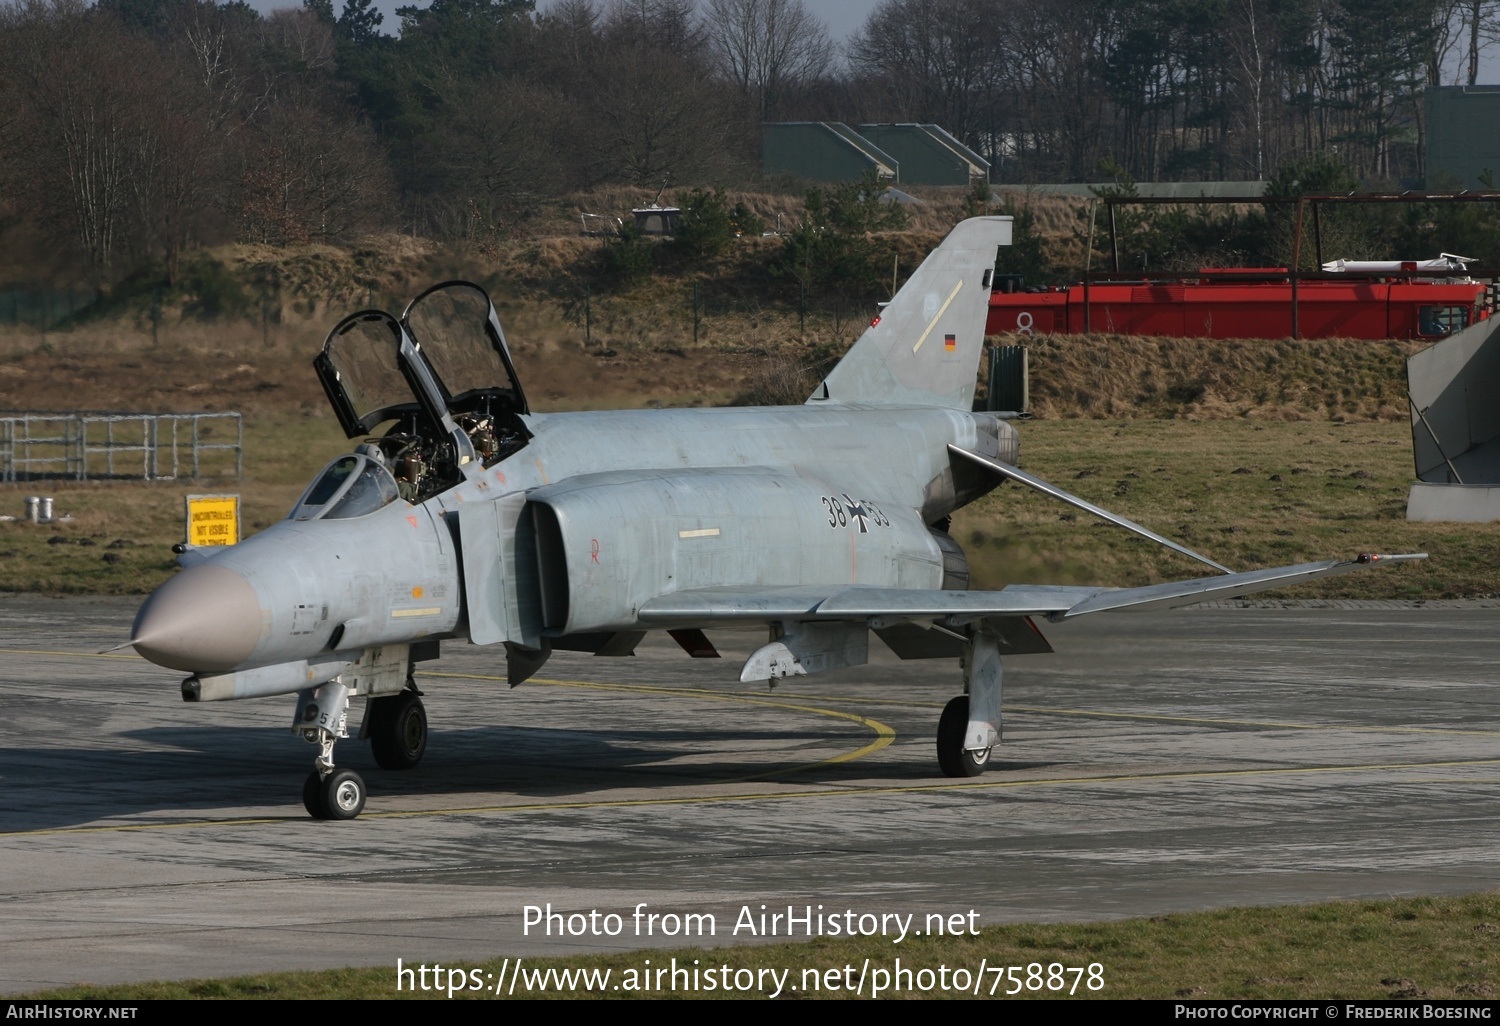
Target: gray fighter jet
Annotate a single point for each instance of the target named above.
(473, 518)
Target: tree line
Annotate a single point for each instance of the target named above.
(134, 130)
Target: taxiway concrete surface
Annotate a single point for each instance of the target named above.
(1158, 762)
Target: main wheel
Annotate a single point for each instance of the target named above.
(953, 758)
(312, 796)
(343, 794)
(398, 731)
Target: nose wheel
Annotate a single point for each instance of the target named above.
(336, 795)
(321, 719)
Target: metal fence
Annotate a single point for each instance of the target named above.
(105, 446)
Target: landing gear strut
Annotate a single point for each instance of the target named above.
(322, 718)
(970, 725)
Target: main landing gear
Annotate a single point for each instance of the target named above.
(397, 727)
(953, 758)
(970, 725)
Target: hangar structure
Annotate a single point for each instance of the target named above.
(1463, 146)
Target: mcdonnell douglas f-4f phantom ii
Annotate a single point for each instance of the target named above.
(473, 517)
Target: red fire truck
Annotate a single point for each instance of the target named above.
(1371, 299)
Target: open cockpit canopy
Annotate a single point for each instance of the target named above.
(442, 374)
(446, 356)
(360, 368)
(459, 333)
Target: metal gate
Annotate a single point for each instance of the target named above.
(114, 446)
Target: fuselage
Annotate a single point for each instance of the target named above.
(305, 593)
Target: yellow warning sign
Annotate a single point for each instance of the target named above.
(213, 520)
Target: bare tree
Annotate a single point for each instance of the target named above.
(1475, 23)
(937, 60)
(485, 140)
(1252, 45)
(768, 48)
(571, 29)
(304, 39)
(312, 174)
(76, 87)
(645, 102)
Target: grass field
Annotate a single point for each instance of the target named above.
(1247, 493)
(1405, 948)
(120, 537)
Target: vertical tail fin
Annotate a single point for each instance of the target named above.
(924, 350)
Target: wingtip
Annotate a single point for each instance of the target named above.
(1371, 558)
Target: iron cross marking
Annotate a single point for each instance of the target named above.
(858, 512)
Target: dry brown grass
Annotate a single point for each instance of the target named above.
(643, 350)
(1249, 493)
(192, 368)
(1056, 217)
(1115, 376)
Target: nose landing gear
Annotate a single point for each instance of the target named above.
(322, 718)
(395, 724)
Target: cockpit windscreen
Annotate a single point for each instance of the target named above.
(349, 487)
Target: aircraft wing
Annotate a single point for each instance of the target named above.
(731, 605)
(956, 608)
(888, 606)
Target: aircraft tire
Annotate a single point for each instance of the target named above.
(343, 794)
(953, 758)
(312, 796)
(398, 733)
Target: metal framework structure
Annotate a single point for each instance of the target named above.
(107, 446)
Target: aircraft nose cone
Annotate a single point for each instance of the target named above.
(204, 620)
